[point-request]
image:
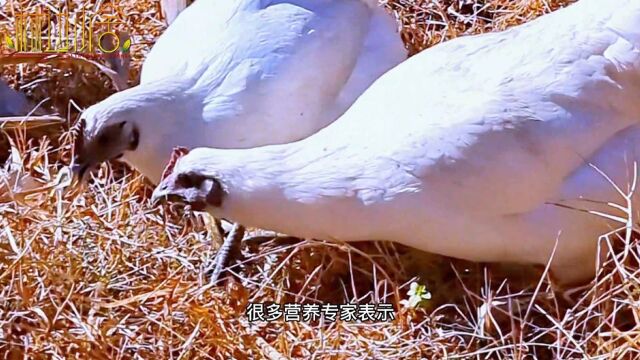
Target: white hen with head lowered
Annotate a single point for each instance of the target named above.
(478, 148)
(243, 73)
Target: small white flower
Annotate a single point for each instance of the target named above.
(417, 294)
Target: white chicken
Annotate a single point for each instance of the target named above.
(242, 73)
(483, 148)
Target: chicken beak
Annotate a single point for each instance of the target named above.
(159, 197)
(166, 198)
(164, 194)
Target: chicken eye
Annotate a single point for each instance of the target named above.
(103, 139)
(189, 180)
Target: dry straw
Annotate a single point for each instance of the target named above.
(99, 273)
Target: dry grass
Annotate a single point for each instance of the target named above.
(101, 274)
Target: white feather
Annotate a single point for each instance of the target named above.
(462, 149)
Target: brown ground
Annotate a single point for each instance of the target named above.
(101, 274)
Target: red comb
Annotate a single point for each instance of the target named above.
(177, 153)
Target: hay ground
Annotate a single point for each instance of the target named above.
(101, 274)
